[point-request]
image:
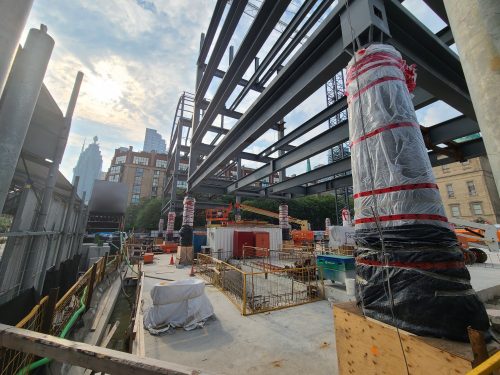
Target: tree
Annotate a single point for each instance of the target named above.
(149, 215)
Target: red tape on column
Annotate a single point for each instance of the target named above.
(396, 188)
(383, 129)
(402, 217)
(378, 56)
(415, 265)
(352, 77)
(371, 84)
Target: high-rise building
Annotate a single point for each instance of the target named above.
(143, 172)
(88, 168)
(468, 190)
(154, 142)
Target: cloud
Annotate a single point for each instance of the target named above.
(137, 57)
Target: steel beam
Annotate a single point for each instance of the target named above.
(269, 14)
(242, 82)
(340, 182)
(329, 138)
(282, 40)
(230, 23)
(319, 58)
(212, 29)
(439, 69)
(204, 104)
(314, 175)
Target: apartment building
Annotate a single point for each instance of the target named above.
(143, 172)
(468, 190)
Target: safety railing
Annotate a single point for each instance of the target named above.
(263, 290)
(55, 316)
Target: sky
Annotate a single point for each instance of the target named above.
(138, 56)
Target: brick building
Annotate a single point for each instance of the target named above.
(468, 190)
(143, 172)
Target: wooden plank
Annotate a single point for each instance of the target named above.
(367, 346)
(85, 355)
(478, 345)
(109, 335)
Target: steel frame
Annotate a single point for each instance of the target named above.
(320, 61)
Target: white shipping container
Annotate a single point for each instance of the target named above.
(220, 239)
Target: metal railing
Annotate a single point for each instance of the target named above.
(56, 317)
(259, 291)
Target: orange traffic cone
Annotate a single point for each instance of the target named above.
(192, 271)
(172, 260)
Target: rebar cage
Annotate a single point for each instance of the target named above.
(259, 287)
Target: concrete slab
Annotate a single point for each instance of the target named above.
(295, 340)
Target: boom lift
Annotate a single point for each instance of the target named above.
(473, 234)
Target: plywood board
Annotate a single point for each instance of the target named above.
(366, 346)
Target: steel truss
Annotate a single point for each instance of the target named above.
(288, 75)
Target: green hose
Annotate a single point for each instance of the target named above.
(63, 334)
(72, 320)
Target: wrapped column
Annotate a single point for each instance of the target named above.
(410, 270)
(346, 218)
(283, 221)
(186, 231)
(160, 227)
(170, 226)
(327, 223)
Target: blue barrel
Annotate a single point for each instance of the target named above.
(199, 240)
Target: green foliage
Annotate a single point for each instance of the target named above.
(144, 215)
(149, 215)
(315, 209)
(5, 223)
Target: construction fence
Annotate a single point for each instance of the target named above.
(49, 316)
(254, 290)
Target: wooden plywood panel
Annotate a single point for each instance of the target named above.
(366, 346)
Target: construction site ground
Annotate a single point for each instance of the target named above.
(294, 340)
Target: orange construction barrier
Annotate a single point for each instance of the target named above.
(168, 247)
(148, 258)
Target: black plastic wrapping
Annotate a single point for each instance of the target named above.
(186, 235)
(428, 301)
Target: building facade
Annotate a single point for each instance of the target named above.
(468, 190)
(153, 141)
(143, 172)
(88, 168)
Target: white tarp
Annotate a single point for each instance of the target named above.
(180, 303)
(340, 236)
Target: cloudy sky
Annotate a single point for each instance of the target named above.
(138, 56)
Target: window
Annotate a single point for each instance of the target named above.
(471, 187)
(114, 178)
(455, 210)
(121, 159)
(135, 198)
(449, 190)
(140, 160)
(115, 169)
(182, 184)
(137, 180)
(476, 208)
(139, 172)
(183, 167)
(161, 163)
(445, 168)
(155, 181)
(136, 189)
(156, 173)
